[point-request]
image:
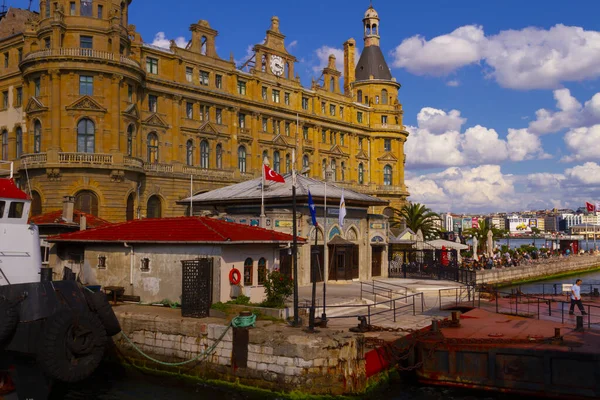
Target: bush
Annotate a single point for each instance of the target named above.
(242, 300)
(278, 287)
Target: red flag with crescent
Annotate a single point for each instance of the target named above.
(271, 175)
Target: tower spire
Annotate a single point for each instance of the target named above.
(371, 27)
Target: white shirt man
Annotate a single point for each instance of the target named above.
(576, 298)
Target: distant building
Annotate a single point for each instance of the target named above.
(551, 224)
(447, 221)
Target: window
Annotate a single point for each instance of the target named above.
(359, 116)
(323, 107)
(359, 96)
(85, 136)
(189, 74)
(4, 136)
(86, 42)
(305, 132)
(275, 96)
(384, 119)
(276, 162)
(387, 175)
(219, 156)
(102, 262)
(376, 99)
(152, 103)
(189, 152)
(20, 54)
(219, 116)
(100, 9)
(288, 163)
(37, 86)
(332, 84)
(286, 99)
(204, 155)
(204, 113)
(87, 202)
(19, 97)
(204, 78)
(130, 131)
(305, 103)
(367, 100)
(154, 207)
(47, 43)
(5, 100)
(37, 136)
(129, 208)
(361, 174)
(265, 123)
(219, 81)
(19, 143)
(6, 60)
(265, 156)
(384, 96)
(145, 263)
(324, 167)
(287, 129)
(262, 271)
(342, 136)
(72, 8)
(323, 136)
(152, 145)
(241, 87)
(248, 272)
(16, 209)
(242, 159)
(189, 110)
(36, 204)
(305, 161)
(151, 65)
(264, 93)
(360, 143)
(387, 144)
(130, 93)
(341, 112)
(343, 170)
(85, 8)
(241, 120)
(332, 110)
(2, 207)
(47, 7)
(86, 85)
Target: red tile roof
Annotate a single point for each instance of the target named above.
(176, 230)
(55, 218)
(8, 190)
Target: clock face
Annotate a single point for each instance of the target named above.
(277, 65)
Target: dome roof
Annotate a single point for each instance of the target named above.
(371, 13)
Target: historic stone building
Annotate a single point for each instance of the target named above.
(89, 110)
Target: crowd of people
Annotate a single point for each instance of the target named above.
(514, 258)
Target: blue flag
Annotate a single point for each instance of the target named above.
(313, 210)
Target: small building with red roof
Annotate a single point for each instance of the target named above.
(145, 256)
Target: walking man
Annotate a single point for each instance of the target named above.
(576, 298)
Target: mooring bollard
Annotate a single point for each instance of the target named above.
(240, 341)
(435, 325)
(455, 322)
(557, 333)
(579, 326)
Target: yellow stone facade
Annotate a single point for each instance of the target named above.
(89, 110)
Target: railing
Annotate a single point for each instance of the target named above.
(30, 159)
(556, 289)
(133, 162)
(85, 158)
(206, 172)
(76, 52)
(387, 126)
(156, 167)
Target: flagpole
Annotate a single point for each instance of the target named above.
(263, 217)
(325, 257)
(191, 195)
(295, 239)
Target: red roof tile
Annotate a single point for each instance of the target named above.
(55, 218)
(176, 230)
(8, 190)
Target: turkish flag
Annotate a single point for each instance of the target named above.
(271, 175)
(590, 207)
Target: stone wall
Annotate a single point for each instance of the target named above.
(539, 270)
(280, 358)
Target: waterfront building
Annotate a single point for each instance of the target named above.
(551, 224)
(568, 220)
(91, 111)
(497, 221)
(447, 221)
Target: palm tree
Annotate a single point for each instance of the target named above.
(481, 232)
(417, 216)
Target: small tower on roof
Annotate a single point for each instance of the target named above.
(371, 25)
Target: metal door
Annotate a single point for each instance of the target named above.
(196, 287)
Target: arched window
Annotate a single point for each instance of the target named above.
(262, 271)
(305, 161)
(189, 152)
(219, 156)
(324, 167)
(384, 96)
(87, 202)
(85, 136)
(359, 96)
(361, 174)
(265, 157)
(4, 139)
(334, 170)
(288, 163)
(248, 271)
(129, 210)
(37, 136)
(332, 84)
(242, 158)
(276, 162)
(387, 175)
(130, 132)
(203, 46)
(204, 155)
(154, 207)
(36, 204)
(19, 143)
(342, 168)
(86, 8)
(152, 144)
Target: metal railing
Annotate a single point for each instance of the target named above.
(78, 52)
(556, 289)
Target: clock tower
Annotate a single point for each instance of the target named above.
(271, 57)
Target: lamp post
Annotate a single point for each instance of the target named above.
(328, 176)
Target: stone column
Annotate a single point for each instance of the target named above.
(55, 112)
(115, 137)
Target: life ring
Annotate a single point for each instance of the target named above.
(235, 277)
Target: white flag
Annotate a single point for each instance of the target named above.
(342, 210)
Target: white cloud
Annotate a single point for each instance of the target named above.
(530, 58)
(453, 83)
(292, 44)
(323, 54)
(584, 144)
(586, 174)
(524, 145)
(161, 40)
(570, 114)
(438, 121)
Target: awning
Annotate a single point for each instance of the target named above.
(438, 243)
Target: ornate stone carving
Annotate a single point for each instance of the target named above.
(117, 78)
(117, 176)
(177, 98)
(86, 103)
(53, 174)
(54, 73)
(156, 120)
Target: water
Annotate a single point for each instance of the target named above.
(541, 242)
(546, 286)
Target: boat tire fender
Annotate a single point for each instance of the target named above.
(9, 318)
(99, 304)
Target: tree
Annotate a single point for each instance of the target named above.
(536, 231)
(417, 216)
(481, 232)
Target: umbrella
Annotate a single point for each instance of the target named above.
(490, 243)
(475, 243)
(458, 256)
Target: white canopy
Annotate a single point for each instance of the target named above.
(438, 243)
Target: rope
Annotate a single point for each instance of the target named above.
(237, 322)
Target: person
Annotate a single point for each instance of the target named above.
(576, 298)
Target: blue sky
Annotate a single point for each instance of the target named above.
(474, 75)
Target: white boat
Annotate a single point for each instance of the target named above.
(49, 330)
